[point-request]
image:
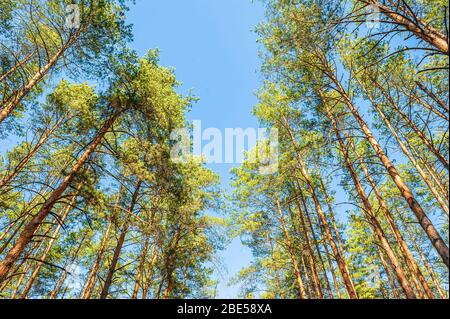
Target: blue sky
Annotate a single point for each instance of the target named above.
(212, 46)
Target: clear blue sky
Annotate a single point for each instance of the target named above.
(212, 46)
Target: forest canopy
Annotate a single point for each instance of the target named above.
(93, 206)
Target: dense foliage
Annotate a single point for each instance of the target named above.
(358, 91)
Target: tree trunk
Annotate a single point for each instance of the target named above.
(30, 228)
(342, 265)
(405, 150)
(169, 265)
(73, 256)
(54, 236)
(309, 284)
(322, 238)
(424, 221)
(16, 67)
(26, 212)
(430, 169)
(34, 247)
(148, 278)
(118, 249)
(333, 274)
(433, 275)
(309, 248)
(140, 268)
(423, 138)
(420, 101)
(87, 293)
(330, 210)
(10, 106)
(432, 95)
(368, 211)
(386, 267)
(18, 168)
(409, 259)
(298, 276)
(418, 28)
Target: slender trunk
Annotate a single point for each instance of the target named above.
(169, 265)
(27, 267)
(16, 67)
(10, 106)
(35, 247)
(60, 281)
(386, 268)
(368, 211)
(420, 101)
(26, 212)
(333, 221)
(148, 277)
(409, 259)
(405, 150)
(73, 256)
(7, 230)
(21, 279)
(279, 291)
(342, 265)
(11, 237)
(313, 287)
(429, 168)
(309, 284)
(89, 288)
(309, 248)
(333, 274)
(333, 224)
(423, 138)
(19, 167)
(118, 249)
(322, 239)
(54, 236)
(30, 228)
(330, 210)
(424, 221)
(300, 285)
(141, 267)
(433, 275)
(419, 28)
(432, 95)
